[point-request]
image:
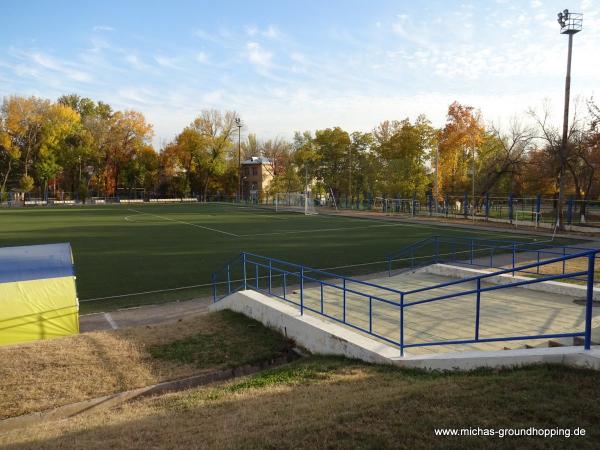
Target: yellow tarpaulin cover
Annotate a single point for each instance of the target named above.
(38, 309)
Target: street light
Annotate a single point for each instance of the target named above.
(238, 123)
(570, 23)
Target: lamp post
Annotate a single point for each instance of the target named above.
(238, 123)
(473, 184)
(570, 24)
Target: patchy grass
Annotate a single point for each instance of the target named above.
(47, 374)
(225, 345)
(336, 403)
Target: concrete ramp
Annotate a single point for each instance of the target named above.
(326, 337)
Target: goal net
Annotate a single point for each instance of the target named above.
(392, 206)
(295, 202)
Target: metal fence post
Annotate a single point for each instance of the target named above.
(321, 297)
(437, 248)
(514, 254)
(589, 301)
(478, 309)
(344, 301)
(472, 245)
(301, 290)
(570, 210)
(510, 207)
(402, 324)
(466, 205)
(487, 206)
(244, 264)
(214, 287)
(370, 314)
(538, 208)
(228, 280)
(430, 198)
(270, 275)
(414, 208)
(447, 204)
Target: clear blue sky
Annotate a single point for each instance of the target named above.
(287, 66)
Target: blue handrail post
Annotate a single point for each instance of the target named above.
(402, 324)
(244, 265)
(514, 254)
(478, 309)
(256, 274)
(589, 301)
(487, 206)
(389, 266)
(214, 285)
(538, 208)
(344, 301)
(437, 248)
(228, 280)
(301, 290)
(321, 297)
(370, 314)
(270, 275)
(466, 206)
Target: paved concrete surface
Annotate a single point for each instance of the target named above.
(504, 313)
(142, 315)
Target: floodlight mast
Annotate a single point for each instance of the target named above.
(238, 123)
(570, 24)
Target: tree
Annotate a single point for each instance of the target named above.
(458, 142)
(332, 147)
(403, 153)
(502, 156)
(216, 129)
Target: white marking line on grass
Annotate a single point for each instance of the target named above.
(186, 223)
(321, 229)
(110, 321)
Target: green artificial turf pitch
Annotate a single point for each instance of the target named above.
(124, 249)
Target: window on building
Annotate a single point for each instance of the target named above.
(254, 171)
(246, 172)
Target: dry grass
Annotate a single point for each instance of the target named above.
(335, 403)
(47, 374)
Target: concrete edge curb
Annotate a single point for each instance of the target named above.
(108, 401)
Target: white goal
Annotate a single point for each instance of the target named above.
(295, 202)
(393, 206)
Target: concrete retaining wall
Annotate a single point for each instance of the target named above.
(324, 337)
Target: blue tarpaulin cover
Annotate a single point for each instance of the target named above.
(34, 262)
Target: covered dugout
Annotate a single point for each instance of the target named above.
(38, 299)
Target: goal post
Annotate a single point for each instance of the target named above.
(295, 202)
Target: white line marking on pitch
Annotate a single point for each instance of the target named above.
(110, 321)
(186, 223)
(322, 229)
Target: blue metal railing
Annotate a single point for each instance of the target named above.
(479, 252)
(306, 287)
